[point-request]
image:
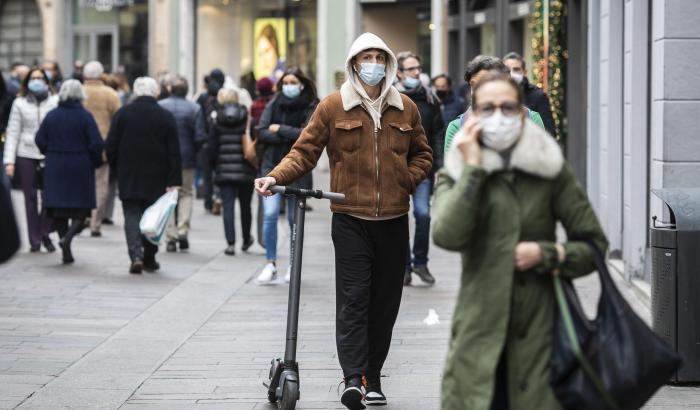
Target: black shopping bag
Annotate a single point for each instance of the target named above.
(613, 362)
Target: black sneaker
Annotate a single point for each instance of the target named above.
(424, 274)
(107, 221)
(352, 395)
(374, 396)
(247, 244)
(184, 243)
(407, 277)
(171, 247)
(46, 241)
(151, 266)
(136, 267)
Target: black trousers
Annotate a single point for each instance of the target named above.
(139, 247)
(370, 257)
(244, 192)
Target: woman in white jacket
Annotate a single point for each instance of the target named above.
(22, 156)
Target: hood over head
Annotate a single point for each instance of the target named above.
(353, 82)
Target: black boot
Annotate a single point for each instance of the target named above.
(75, 227)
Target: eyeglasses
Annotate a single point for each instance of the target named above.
(509, 109)
(412, 69)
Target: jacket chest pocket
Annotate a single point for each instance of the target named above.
(400, 137)
(347, 135)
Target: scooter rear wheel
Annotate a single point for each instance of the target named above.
(271, 397)
(290, 396)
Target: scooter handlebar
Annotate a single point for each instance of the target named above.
(314, 193)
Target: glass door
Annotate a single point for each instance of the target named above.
(96, 43)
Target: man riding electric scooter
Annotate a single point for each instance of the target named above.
(378, 155)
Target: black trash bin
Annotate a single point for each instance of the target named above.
(675, 278)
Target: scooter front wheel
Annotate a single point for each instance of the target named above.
(290, 396)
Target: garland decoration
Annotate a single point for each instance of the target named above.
(557, 58)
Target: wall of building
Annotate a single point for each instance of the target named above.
(643, 100)
(675, 145)
(397, 26)
(21, 33)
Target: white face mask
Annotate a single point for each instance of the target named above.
(517, 77)
(500, 132)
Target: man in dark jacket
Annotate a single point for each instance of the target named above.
(207, 101)
(191, 135)
(535, 99)
(452, 105)
(142, 146)
(431, 118)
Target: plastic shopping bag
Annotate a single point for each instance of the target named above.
(155, 218)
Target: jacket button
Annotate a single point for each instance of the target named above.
(523, 386)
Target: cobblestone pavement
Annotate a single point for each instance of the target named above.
(200, 334)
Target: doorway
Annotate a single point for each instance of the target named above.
(97, 43)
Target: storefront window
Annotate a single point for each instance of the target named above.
(256, 38)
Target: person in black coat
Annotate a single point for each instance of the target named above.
(451, 104)
(72, 147)
(535, 99)
(431, 119)
(6, 99)
(281, 123)
(143, 149)
(232, 173)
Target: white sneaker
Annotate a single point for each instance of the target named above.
(288, 276)
(268, 274)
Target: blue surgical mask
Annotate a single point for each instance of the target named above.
(372, 73)
(411, 83)
(37, 86)
(291, 91)
(49, 74)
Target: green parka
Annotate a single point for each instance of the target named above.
(483, 213)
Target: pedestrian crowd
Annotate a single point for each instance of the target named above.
(483, 154)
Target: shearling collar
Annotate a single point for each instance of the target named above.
(352, 99)
(536, 153)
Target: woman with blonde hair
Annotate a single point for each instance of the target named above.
(232, 173)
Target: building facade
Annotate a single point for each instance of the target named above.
(643, 100)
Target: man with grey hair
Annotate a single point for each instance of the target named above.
(102, 102)
(143, 148)
(191, 134)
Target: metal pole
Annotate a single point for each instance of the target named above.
(290, 353)
(545, 29)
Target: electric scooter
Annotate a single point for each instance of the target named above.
(283, 384)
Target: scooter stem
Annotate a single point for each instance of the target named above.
(290, 352)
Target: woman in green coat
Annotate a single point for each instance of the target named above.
(504, 187)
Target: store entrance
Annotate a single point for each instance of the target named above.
(97, 43)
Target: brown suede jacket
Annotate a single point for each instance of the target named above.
(377, 171)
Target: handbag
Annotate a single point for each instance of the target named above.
(612, 362)
(9, 233)
(250, 152)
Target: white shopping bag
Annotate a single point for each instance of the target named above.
(155, 218)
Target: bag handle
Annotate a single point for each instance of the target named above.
(571, 332)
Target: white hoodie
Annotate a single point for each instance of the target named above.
(354, 94)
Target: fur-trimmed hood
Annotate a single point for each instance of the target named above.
(352, 92)
(536, 153)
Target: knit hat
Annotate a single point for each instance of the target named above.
(264, 86)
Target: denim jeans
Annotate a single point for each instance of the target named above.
(421, 236)
(271, 209)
